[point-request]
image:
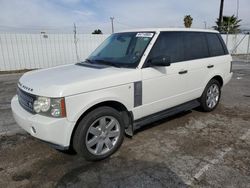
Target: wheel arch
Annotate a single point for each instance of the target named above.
(126, 114)
(219, 79)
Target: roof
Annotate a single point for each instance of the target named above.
(170, 29)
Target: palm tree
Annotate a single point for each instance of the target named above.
(188, 20)
(97, 31)
(229, 24)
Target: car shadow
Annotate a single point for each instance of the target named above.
(121, 172)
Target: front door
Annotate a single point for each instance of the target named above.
(165, 86)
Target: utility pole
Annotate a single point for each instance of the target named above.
(75, 41)
(248, 45)
(205, 24)
(221, 14)
(227, 33)
(112, 23)
(237, 14)
(237, 11)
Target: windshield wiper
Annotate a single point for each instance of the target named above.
(107, 63)
(88, 61)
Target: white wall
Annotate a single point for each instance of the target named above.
(236, 44)
(30, 51)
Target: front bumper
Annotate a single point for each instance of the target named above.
(56, 131)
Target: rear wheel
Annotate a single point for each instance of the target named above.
(99, 134)
(211, 96)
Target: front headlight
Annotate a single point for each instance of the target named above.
(54, 107)
(41, 104)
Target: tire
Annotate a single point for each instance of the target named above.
(212, 91)
(99, 134)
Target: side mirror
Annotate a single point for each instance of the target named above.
(160, 61)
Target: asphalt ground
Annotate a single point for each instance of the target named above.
(191, 149)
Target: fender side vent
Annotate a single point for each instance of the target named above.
(137, 93)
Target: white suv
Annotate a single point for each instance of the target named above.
(132, 79)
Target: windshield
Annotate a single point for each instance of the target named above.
(121, 49)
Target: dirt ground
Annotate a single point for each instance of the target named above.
(191, 149)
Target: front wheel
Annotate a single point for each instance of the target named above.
(211, 96)
(99, 134)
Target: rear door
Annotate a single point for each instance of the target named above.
(207, 59)
(196, 55)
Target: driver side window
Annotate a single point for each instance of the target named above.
(168, 44)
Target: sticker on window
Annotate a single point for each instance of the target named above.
(149, 35)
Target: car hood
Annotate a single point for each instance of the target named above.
(73, 79)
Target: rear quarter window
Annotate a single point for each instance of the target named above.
(215, 45)
(195, 45)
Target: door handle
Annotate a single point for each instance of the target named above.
(210, 66)
(183, 72)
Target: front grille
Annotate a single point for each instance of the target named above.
(26, 100)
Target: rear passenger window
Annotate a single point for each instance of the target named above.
(214, 44)
(195, 45)
(169, 44)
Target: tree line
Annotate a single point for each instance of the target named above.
(229, 24)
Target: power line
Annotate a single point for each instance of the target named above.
(126, 25)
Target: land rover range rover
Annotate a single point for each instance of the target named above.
(132, 79)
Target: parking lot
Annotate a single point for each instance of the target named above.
(190, 149)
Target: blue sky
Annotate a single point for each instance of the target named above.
(59, 15)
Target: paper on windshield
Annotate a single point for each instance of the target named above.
(149, 35)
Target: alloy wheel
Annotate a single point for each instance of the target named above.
(213, 94)
(103, 135)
